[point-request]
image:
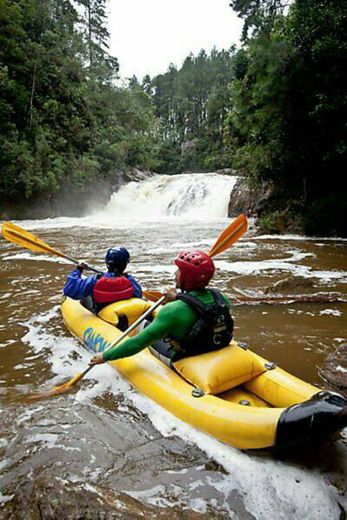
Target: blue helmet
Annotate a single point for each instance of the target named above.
(117, 259)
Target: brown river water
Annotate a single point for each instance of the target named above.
(104, 450)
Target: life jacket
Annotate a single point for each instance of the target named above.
(213, 329)
(109, 290)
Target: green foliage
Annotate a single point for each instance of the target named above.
(270, 223)
(192, 104)
(259, 15)
(63, 122)
(287, 122)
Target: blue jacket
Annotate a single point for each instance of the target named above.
(77, 287)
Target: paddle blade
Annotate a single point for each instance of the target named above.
(57, 390)
(230, 235)
(153, 296)
(23, 238)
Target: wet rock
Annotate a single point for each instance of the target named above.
(136, 175)
(243, 197)
(290, 284)
(240, 198)
(55, 499)
(226, 171)
(334, 369)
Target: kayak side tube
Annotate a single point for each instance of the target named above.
(310, 422)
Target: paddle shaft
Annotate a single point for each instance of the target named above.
(66, 386)
(89, 267)
(76, 262)
(130, 329)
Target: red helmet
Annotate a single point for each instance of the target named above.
(196, 269)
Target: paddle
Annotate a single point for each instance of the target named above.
(23, 238)
(66, 386)
(229, 236)
(226, 239)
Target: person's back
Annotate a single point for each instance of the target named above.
(99, 290)
(196, 322)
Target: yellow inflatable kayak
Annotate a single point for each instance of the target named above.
(233, 394)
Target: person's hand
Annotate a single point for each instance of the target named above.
(97, 360)
(170, 296)
(81, 266)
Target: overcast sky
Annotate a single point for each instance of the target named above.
(148, 35)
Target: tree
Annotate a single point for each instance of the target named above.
(63, 122)
(289, 109)
(97, 36)
(259, 15)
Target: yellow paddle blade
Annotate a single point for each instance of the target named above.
(229, 236)
(23, 238)
(152, 295)
(57, 390)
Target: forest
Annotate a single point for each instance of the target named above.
(273, 109)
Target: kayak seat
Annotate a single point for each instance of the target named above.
(123, 313)
(221, 370)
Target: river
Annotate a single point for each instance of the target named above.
(104, 447)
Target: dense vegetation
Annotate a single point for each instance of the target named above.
(192, 104)
(275, 109)
(288, 117)
(63, 122)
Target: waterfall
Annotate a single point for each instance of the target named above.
(198, 195)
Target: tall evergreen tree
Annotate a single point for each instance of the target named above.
(96, 33)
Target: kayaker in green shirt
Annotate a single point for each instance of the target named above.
(194, 321)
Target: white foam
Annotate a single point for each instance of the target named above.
(3, 442)
(288, 265)
(331, 312)
(164, 199)
(36, 257)
(198, 195)
(5, 296)
(5, 498)
(270, 489)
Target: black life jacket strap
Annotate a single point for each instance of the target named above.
(200, 307)
(218, 297)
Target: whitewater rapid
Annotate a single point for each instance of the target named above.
(271, 489)
(157, 218)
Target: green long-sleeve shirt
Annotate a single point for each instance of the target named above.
(175, 319)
